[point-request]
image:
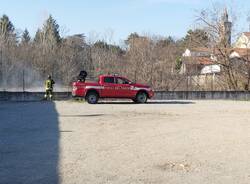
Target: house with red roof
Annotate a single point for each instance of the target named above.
(203, 65)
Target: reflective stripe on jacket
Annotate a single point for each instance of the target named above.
(49, 84)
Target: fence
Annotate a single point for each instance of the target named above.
(202, 95)
(31, 96)
(159, 95)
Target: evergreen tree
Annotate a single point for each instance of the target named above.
(6, 27)
(178, 63)
(25, 37)
(108, 47)
(165, 42)
(197, 37)
(51, 31)
(38, 36)
(102, 45)
(131, 37)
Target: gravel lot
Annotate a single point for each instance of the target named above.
(191, 142)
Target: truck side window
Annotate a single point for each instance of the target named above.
(122, 81)
(109, 80)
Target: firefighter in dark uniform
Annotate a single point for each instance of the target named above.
(49, 88)
(82, 76)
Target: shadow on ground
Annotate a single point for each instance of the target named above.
(171, 102)
(29, 143)
(79, 116)
(150, 102)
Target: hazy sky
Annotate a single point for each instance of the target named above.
(103, 17)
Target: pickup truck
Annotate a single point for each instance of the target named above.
(111, 86)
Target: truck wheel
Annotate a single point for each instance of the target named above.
(141, 97)
(92, 98)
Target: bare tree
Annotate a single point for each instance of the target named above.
(215, 22)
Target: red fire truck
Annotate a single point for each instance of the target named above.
(112, 86)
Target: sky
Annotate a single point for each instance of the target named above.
(112, 20)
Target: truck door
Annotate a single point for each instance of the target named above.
(109, 85)
(123, 87)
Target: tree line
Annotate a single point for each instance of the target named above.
(25, 61)
(146, 59)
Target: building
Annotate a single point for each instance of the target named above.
(243, 41)
(202, 65)
(199, 61)
(226, 29)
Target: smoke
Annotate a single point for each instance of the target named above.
(25, 78)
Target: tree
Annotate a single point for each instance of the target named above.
(216, 24)
(178, 64)
(8, 48)
(50, 31)
(131, 37)
(101, 45)
(47, 42)
(25, 37)
(6, 27)
(197, 38)
(108, 47)
(165, 42)
(38, 36)
(73, 56)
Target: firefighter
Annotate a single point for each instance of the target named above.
(82, 76)
(49, 88)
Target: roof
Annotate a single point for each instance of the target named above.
(200, 49)
(241, 53)
(200, 61)
(247, 34)
(204, 61)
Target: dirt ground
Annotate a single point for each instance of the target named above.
(172, 142)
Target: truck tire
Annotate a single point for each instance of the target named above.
(141, 97)
(92, 98)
